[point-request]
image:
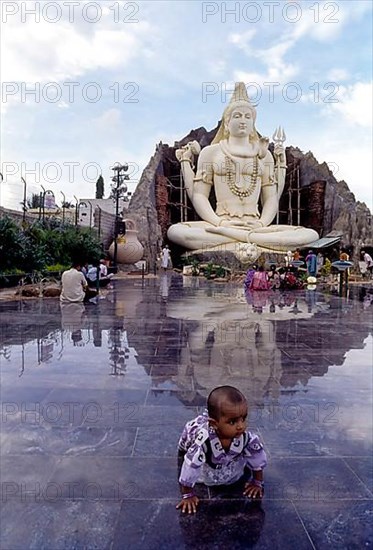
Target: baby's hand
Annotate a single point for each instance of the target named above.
(189, 505)
(253, 491)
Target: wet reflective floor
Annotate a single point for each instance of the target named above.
(94, 398)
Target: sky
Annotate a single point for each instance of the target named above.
(88, 84)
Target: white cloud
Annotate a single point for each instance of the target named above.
(170, 53)
(43, 52)
(337, 74)
(349, 104)
(63, 105)
(347, 151)
(242, 40)
(354, 104)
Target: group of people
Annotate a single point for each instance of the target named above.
(257, 278)
(99, 272)
(81, 283)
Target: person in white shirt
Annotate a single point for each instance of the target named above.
(74, 285)
(101, 271)
(165, 257)
(368, 261)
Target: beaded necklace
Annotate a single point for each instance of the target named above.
(230, 170)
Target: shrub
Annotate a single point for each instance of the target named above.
(39, 244)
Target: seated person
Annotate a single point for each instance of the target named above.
(104, 280)
(103, 269)
(290, 282)
(274, 277)
(249, 276)
(296, 255)
(260, 280)
(74, 286)
(84, 269)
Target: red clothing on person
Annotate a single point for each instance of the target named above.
(260, 281)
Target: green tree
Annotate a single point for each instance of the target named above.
(11, 244)
(35, 201)
(44, 243)
(100, 188)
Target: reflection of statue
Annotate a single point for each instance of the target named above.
(226, 344)
(242, 171)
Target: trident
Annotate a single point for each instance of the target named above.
(279, 136)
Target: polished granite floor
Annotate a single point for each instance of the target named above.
(94, 399)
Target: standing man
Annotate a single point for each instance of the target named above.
(311, 262)
(74, 285)
(166, 257)
(368, 261)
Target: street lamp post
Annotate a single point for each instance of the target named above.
(24, 200)
(119, 189)
(63, 206)
(90, 214)
(98, 222)
(76, 209)
(41, 203)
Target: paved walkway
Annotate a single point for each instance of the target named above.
(95, 397)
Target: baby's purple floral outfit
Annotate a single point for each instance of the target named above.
(206, 461)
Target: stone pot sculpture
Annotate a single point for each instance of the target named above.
(129, 248)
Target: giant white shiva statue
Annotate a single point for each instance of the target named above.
(243, 173)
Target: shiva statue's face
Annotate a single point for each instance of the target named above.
(241, 122)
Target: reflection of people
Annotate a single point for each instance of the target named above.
(77, 337)
(74, 285)
(72, 316)
(216, 448)
(166, 257)
(163, 286)
(242, 170)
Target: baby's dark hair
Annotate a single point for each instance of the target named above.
(220, 395)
